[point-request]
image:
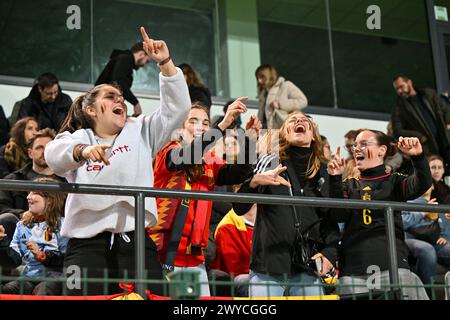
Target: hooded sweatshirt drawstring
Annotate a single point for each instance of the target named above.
(123, 235)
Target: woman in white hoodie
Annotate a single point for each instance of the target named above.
(98, 144)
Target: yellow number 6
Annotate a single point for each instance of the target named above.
(367, 219)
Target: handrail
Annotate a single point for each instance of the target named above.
(17, 185)
(139, 193)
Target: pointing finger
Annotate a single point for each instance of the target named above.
(243, 98)
(144, 34)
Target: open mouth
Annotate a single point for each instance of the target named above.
(359, 157)
(299, 129)
(119, 110)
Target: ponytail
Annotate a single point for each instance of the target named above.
(77, 118)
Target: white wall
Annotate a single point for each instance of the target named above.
(332, 127)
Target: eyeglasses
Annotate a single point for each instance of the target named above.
(362, 145)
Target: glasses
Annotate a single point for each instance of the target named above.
(362, 145)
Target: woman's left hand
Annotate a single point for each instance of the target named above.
(409, 146)
(327, 266)
(442, 241)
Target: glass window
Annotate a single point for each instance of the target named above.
(367, 60)
(35, 37)
(294, 38)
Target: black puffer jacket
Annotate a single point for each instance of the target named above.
(274, 233)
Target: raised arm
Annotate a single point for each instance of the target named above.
(174, 96)
(335, 170)
(420, 181)
(184, 156)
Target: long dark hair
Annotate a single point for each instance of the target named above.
(77, 118)
(383, 140)
(18, 131)
(54, 207)
(192, 76)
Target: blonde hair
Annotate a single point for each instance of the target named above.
(278, 144)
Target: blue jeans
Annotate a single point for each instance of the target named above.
(443, 254)
(262, 285)
(426, 256)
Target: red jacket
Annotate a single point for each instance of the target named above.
(233, 244)
(199, 210)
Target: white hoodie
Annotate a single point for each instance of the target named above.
(131, 159)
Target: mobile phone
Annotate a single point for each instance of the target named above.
(319, 265)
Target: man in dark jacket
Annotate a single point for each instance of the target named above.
(15, 202)
(420, 113)
(4, 128)
(46, 103)
(120, 70)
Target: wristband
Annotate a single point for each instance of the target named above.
(42, 256)
(79, 152)
(83, 146)
(165, 61)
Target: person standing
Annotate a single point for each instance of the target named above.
(99, 144)
(119, 69)
(277, 97)
(419, 113)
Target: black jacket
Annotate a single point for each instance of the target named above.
(15, 202)
(364, 241)
(48, 115)
(4, 128)
(407, 121)
(274, 232)
(120, 70)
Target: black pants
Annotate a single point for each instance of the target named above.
(97, 258)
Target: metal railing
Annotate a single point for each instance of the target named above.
(140, 193)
